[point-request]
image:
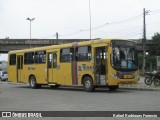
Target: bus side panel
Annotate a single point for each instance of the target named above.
(112, 80)
(84, 68)
(25, 74)
(28, 70)
(12, 73)
(64, 74)
(41, 73)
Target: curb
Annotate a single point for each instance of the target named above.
(141, 86)
(12, 83)
(140, 89)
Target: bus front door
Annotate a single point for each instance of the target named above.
(19, 68)
(52, 68)
(100, 65)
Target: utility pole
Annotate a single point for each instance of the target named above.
(144, 39)
(57, 35)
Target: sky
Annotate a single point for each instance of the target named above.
(71, 19)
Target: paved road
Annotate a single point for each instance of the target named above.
(22, 98)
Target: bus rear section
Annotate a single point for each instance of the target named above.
(26, 65)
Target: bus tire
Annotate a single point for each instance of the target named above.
(88, 84)
(32, 82)
(113, 88)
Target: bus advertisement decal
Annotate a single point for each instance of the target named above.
(31, 68)
(84, 67)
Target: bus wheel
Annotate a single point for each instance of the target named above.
(88, 84)
(32, 82)
(112, 88)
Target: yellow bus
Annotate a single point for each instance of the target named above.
(91, 64)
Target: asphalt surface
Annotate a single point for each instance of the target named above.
(20, 97)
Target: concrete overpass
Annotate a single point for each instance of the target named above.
(17, 44)
(148, 45)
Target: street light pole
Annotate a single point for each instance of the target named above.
(30, 20)
(30, 29)
(90, 18)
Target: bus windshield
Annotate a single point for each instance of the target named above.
(124, 57)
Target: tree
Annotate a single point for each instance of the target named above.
(150, 62)
(155, 49)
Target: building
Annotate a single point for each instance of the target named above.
(3, 65)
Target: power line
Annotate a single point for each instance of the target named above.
(123, 21)
(155, 13)
(158, 10)
(127, 20)
(130, 34)
(116, 22)
(119, 31)
(111, 23)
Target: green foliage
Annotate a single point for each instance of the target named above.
(151, 63)
(140, 60)
(155, 49)
(150, 58)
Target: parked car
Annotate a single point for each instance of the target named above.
(3, 75)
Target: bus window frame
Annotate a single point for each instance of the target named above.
(42, 58)
(76, 53)
(71, 56)
(12, 60)
(32, 59)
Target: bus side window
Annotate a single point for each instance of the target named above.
(54, 60)
(83, 53)
(12, 60)
(50, 60)
(66, 54)
(40, 57)
(29, 58)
